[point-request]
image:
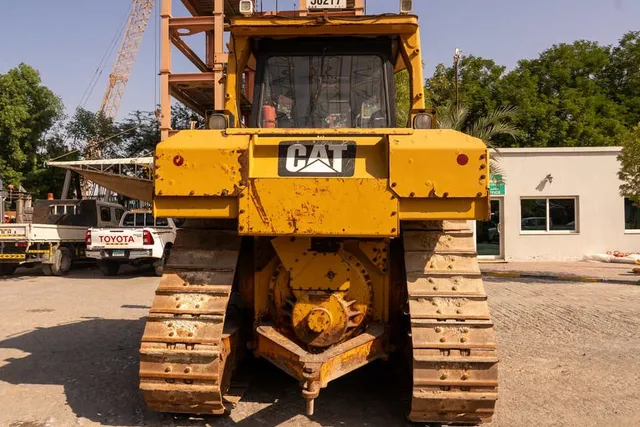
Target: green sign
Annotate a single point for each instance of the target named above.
(497, 185)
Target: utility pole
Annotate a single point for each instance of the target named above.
(456, 67)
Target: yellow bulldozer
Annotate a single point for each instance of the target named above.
(321, 233)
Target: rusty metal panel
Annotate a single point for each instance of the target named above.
(458, 408)
(189, 303)
(175, 330)
(200, 163)
(426, 262)
(183, 367)
(171, 398)
(459, 225)
(466, 335)
(318, 207)
(438, 164)
(449, 307)
(435, 284)
(459, 241)
(210, 282)
(476, 372)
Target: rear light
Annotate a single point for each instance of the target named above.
(463, 159)
(21, 245)
(147, 238)
(87, 237)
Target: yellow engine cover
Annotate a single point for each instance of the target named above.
(350, 183)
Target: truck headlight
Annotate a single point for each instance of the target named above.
(423, 121)
(406, 6)
(246, 7)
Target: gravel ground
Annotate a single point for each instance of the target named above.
(68, 356)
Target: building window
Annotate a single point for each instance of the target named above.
(631, 216)
(548, 214)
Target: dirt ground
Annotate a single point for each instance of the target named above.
(68, 357)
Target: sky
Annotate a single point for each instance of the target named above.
(66, 39)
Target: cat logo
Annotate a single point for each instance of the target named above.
(313, 159)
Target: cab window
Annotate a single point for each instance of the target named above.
(119, 213)
(129, 220)
(162, 222)
(324, 91)
(105, 214)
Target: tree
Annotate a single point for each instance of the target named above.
(624, 77)
(140, 133)
(478, 81)
(86, 126)
(28, 109)
(563, 98)
(44, 179)
(630, 166)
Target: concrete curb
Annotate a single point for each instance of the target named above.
(559, 277)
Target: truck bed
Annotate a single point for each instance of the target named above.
(41, 233)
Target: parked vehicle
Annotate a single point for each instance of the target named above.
(140, 239)
(56, 237)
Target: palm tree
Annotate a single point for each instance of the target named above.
(496, 122)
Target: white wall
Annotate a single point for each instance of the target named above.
(590, 174)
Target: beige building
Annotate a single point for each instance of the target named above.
(558, 204)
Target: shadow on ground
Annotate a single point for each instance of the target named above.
(96, 360)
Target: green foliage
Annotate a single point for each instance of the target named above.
(93, 134)
(478, 81)
(630, 166)
(624, 76)
(578, 94)
(140, 134)
(563, 98)
(28, 110)
(403, 100)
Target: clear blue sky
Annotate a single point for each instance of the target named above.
(66, 39)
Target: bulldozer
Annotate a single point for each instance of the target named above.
(321, 233)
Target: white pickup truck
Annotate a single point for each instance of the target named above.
(140, 239)
(56, 238)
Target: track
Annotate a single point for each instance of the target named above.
(190, 343)
(455, 375)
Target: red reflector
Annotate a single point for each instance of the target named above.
(21, 245)
(463, 159)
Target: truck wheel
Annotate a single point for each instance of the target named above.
(61, 262)
(7, 269)
(158, 265)
(109, 268)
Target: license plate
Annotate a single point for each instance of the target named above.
(326, 4)
(117, 253)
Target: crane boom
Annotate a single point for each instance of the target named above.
(126, 57)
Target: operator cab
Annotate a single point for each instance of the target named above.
(318, 83)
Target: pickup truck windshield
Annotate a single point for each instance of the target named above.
(324, 91)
